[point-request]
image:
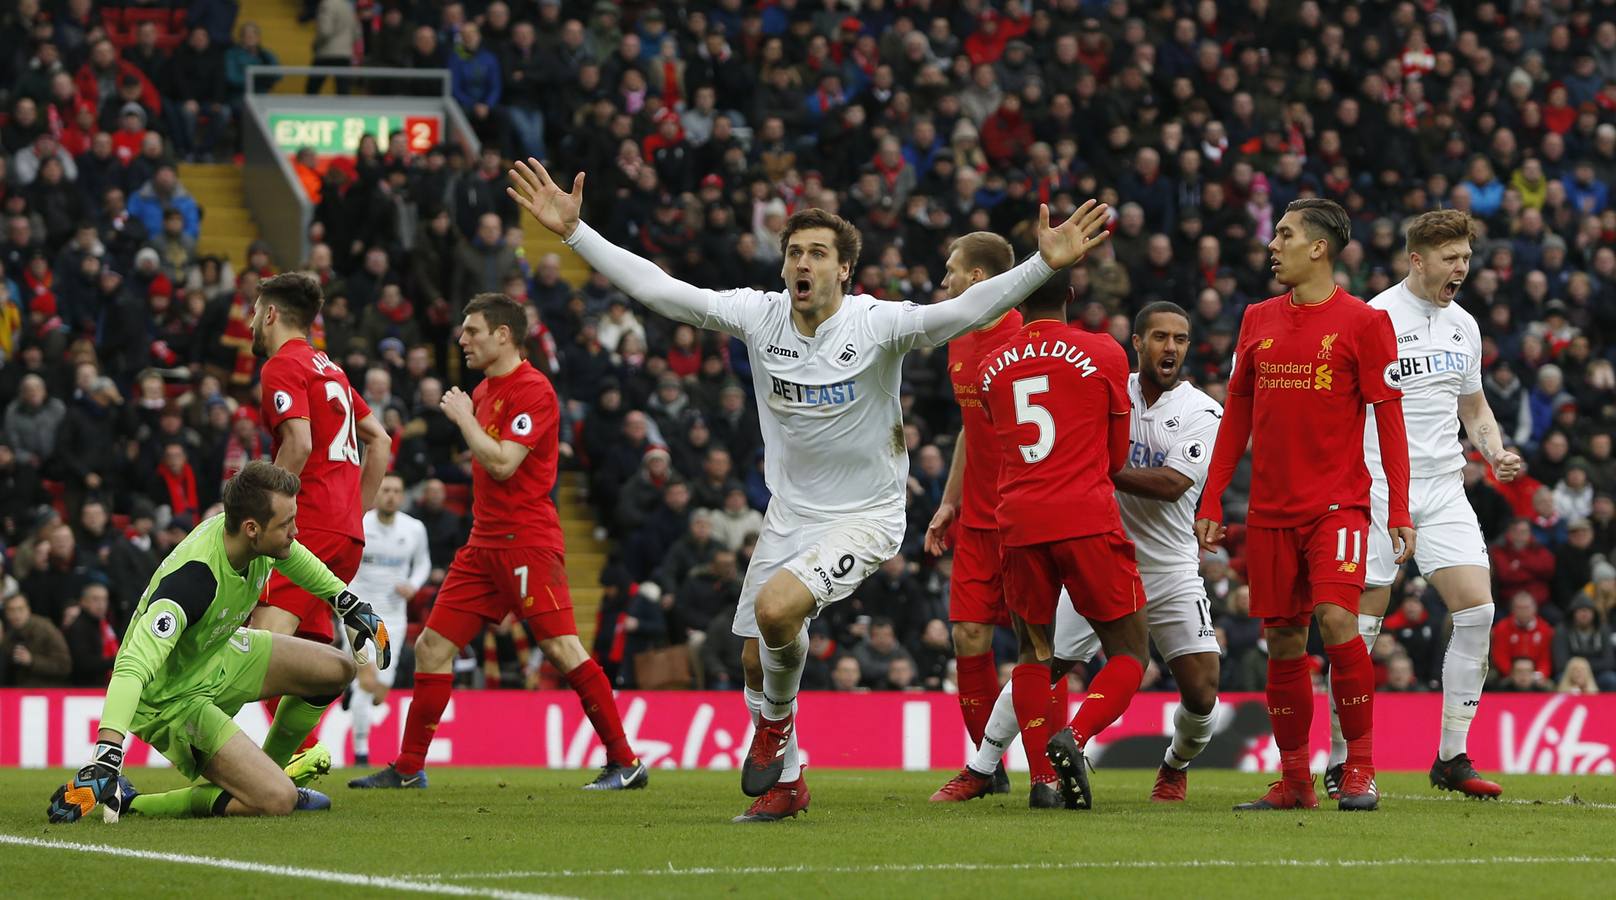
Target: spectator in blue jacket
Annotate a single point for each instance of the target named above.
(1586, 193)
(474, 79)
(164, 192)
(1486, 191)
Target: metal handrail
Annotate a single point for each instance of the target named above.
(441, 75)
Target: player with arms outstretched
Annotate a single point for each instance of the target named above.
(397, 562)
(1058, 400)
(1439, 360)
(514, 562)
(318, 423)
(827, 368)
(187, 665)
(1307, 363)
(970, 497)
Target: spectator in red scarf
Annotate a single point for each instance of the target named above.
(91, 639)
(175, 485)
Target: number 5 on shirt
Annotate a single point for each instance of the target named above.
(1029, 412)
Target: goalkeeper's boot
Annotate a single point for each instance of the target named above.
(1044, 795)
(1332, 780)
(783, 801)
(311, 800)
(767, 757)
(967, 785)
(390, 777)
(1358, 790)
(1001, 781)
(1071, 769)
(1283, 794)
(1457, 774)
(1172, 785)
(307, 766)
(618, 777)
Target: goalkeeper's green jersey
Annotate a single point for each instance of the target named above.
(192, 607)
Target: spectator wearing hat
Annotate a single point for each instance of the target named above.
(33, 653)
(1586, 634)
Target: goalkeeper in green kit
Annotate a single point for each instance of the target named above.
(187, 665)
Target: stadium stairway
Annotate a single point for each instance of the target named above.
(540, 240)
(227, 226)
(586, 555)
(291, 41)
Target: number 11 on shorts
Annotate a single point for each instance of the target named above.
(1341, 546)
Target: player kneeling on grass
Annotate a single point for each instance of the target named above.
(187, 665)
(1050, 391)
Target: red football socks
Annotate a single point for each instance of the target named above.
(978, 688)
(1108, 698)
(1352, 681)
(1029, 691)
(1290, 711)
(1060, 700)
(595, 693)
(431, 697)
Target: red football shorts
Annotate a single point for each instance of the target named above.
(1291, 570)
(1098, 570)
(341, 554)
(976, 587)
(485, 584)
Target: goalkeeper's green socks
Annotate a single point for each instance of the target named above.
(295, 719)
(187, 802)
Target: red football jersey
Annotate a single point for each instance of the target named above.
(1051, 392)
(300, 382)
(1310, 370)
(518, 406)
(980, 491)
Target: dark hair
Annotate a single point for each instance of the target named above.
(247, 495)
(1050, 299)
(986, 251)
(848, 241)
(500, 310)
(1430, 230)
(295, 295)
(1141, 321)
(1324, 220)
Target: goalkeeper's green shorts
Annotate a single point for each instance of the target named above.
(195, 719)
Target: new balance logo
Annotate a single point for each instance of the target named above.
(1348, 567)
(1033, 723)
(1096, 696)
(1265, 343)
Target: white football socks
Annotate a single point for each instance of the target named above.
(1002, 728)
(1368, 629)
(782, 674)
(359, 715)
(1190, 735)
(1464, 668)
(793, 759)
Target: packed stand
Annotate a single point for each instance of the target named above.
(701, 131)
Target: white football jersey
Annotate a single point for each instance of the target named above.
(1177, 432)
(827, 405)
(394, 554)
(1439, 355)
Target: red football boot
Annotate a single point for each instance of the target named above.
(783, 801)
(1172, 785)
(766, 758)
(1358, 790)
(1283, 795)
(967, 785)
(1457, 774)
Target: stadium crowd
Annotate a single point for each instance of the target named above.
(127, 376)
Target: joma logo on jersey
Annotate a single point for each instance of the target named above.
(1326, 342)
(786, 352)
(1323, 379)
(812, 394)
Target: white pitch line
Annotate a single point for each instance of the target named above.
(237, 865)
(890, 868)
(1516, 801)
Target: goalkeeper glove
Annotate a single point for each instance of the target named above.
(95, 783)
(363, 626)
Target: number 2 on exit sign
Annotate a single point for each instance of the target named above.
(422, 133)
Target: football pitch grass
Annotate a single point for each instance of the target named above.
(523, 833)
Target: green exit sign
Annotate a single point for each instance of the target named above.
(334, 135)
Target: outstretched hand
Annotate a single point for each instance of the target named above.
(1068, 243)
(534, 189)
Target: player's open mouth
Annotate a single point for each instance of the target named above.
(1451, 289)
(801, 288)
(1166, 365)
